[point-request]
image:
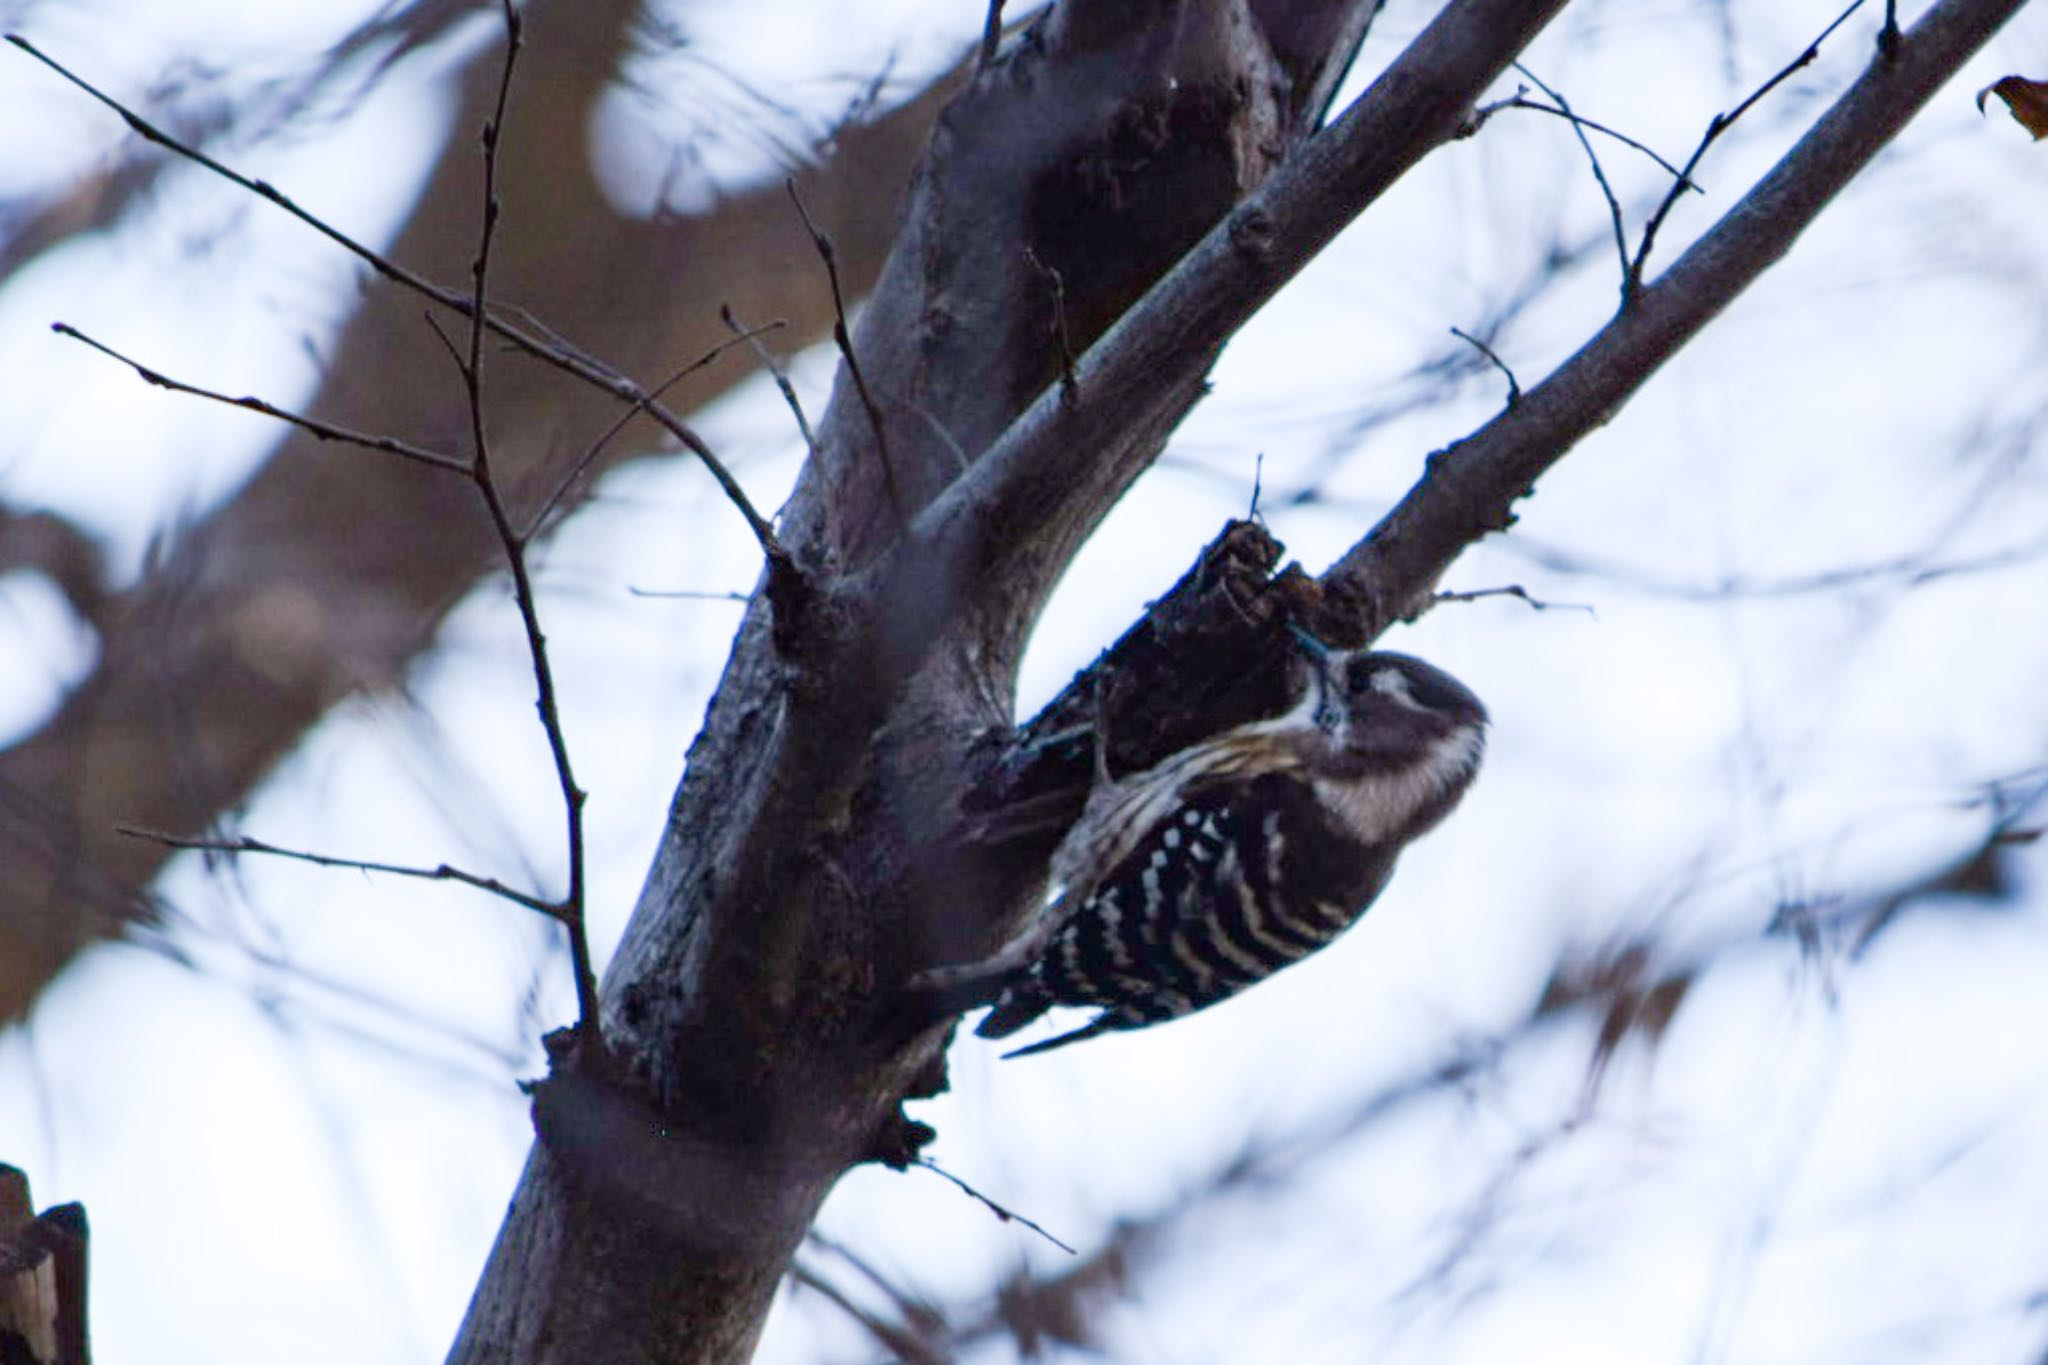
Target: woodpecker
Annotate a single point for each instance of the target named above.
(1242, 854)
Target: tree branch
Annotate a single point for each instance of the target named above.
(1064, 462)
(1470, 489)
(1716, 126)
(320, 431)
(441, 872)
(571, 911)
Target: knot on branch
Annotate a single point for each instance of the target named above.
(900, 1142)
(687, 1192)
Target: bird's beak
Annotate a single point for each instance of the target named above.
(1329, 704)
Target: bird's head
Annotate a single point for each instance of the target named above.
(1377, 709)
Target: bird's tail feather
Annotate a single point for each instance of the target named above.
(1103, 1023)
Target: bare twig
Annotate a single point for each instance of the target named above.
(596, 447)
(1472, 486)
(991, 35)
(1903, 571)
(323, 431)
(447, 344)
(439, 873)
(844, 338)
(149, 132)
(1424, 382)
(1628, 279)
(1070, 387)
(1521, 100)
(946, 438)
(572, 905)
(899, 1341)
(1716, 126)
(1514, 388)
(775, 371)
(1888, 36)
(1005, 1215)
(551, 349)
(692, 594)
(1519, 593)
(914, 1309)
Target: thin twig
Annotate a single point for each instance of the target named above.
(1888, 36)
(1905, 571)
(844, 339)
(439, 873)
(1070, 386)
(776, 371)
(558, 353)
(323, 431)
(596, 447)
(1522, 101)
(1005, 1215)
(447, 344)
(1716, 126)
(900, 1342)
(1628, 279)
(991, 36)
(1514, 388)
(572, 909)
(693, 594)
(915, 1311)
(946, 438)
(1519, 593)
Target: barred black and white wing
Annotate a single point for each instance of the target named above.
(1235, 880)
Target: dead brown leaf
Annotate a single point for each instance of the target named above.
(2028, 101)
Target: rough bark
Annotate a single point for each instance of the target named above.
(331, 568)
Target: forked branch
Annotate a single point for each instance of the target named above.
(1470, 489)
(440, 872)
(1716, 126)
(572, 909)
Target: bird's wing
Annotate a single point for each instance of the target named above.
(1119, 814)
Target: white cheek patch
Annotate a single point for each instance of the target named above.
(1379, 807)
